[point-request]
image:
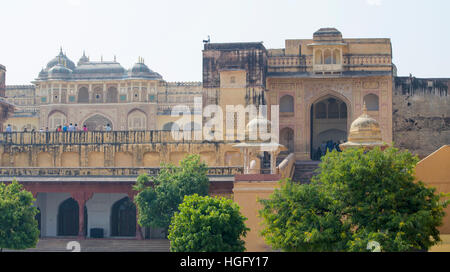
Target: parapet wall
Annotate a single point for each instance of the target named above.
(127, 149)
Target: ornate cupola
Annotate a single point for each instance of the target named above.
(364, 132)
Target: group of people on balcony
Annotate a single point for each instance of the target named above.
(62, 128)
(71, 128)
(325, 147)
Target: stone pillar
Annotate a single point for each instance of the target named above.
(81, 198)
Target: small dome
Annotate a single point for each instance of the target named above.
(61, 58)
(327, 34)
(43, 74)
(59, 72)
(364, 132)
(83, 59)
(139, 69)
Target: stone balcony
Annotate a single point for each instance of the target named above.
(327, 68)
(102, 171)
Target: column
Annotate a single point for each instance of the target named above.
(81, 198)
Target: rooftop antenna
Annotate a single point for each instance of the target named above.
(208, 40)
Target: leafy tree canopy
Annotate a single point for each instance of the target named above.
(357, 197)
(207, 224)
(159, 196)
(18, 226)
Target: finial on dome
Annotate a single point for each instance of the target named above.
(114, 58)
(364, 108)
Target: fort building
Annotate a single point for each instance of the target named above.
(316, 87)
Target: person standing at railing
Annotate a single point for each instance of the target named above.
(108, 127)
(64, 128)
(70, 128)
(8, 128)
(85, 129)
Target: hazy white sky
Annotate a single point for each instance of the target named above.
(168, 34)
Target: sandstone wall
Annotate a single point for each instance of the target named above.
(421, 114)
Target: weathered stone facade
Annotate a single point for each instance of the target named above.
(421, 114)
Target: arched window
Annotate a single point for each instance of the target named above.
(98, 122)
(372, 102)
(137, 120)
(111, 95)
(327, 57)
(336, 56)
(83, 95)
(318, 57)
(287, 104)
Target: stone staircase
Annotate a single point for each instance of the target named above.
(100, 245)
(304, 171)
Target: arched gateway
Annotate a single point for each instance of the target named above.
(329, 116)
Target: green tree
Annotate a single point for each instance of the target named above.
(159, 197)
(18, 226)
(302, 218)
(359, 196)
(207, 224)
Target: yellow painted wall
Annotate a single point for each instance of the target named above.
(246, 194)
(434, 171)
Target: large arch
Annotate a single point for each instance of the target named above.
(68, 218)
(123, 218)
(329, 118)
(97, 122)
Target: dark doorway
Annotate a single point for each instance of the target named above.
(68, 221)
(123, 218)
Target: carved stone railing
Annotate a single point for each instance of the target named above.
(102, 171)
(95, 137)
(103, 137)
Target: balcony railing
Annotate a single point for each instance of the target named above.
(95, 137)
(104, 137)
(102, 171)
